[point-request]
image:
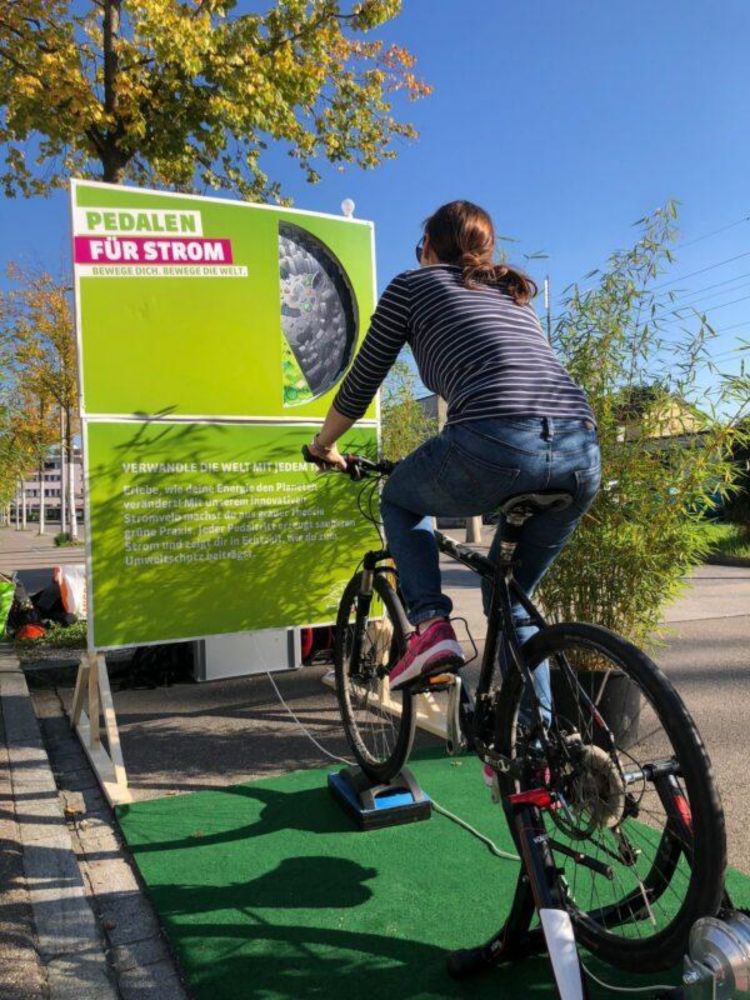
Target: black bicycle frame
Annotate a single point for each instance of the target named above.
(500, 625)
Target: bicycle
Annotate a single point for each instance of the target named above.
(621, 835)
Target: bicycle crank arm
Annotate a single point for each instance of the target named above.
(498, 762)
(455, 741)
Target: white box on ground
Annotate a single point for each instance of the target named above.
(241, 654)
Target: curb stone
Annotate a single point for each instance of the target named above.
(136, 948)
(96, 935)
(22, 974)
(68, 943)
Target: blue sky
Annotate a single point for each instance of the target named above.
(567, 121)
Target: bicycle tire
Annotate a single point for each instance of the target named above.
(666, 947)
(389, 765)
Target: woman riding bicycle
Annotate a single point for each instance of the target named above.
(516, 423)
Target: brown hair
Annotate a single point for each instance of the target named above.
(462, 233)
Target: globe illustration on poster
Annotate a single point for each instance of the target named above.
(318, 316)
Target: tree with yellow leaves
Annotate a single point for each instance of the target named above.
(35, 428)
(15, 460)
(39, 379)
(179, 93)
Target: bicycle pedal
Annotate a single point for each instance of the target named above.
(447, 680)
(437, 685)
(429, 685)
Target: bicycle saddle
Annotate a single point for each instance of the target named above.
(538, 502)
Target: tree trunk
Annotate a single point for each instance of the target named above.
(113, 161)
(23, 505)
(72, 497)
(18, 509)
(71, 477)
(42, 495)
(63, 478)
(113, 170)
(41, 492)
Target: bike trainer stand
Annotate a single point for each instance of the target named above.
(373, 806)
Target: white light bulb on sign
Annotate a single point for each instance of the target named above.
(347, 207)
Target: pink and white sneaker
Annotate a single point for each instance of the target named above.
(434, 651)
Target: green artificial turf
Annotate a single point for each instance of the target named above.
(268, 892)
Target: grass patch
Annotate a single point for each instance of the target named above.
(63, 539)
(56, 637)
(729, 539)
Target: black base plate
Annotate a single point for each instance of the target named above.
(373, 806)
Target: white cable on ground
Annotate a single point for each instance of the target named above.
(307, 733)
(505, 855)
(623, 989)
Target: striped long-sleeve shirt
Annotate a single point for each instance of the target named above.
(485, 355)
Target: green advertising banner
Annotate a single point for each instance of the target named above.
(212, 337)
(202, 307)
(201, 529)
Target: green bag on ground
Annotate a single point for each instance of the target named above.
(7, 590)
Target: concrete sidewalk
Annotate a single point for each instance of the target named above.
(75, 924)
(54, 948)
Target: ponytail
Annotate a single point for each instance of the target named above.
(462, 233)
(515, 283)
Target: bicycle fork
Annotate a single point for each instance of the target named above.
(538, 889)
(540, 880)
(372, 564)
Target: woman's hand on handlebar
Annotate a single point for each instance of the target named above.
(327, 456)
(356, 466)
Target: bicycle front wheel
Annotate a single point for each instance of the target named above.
(636, 824)
(379, 723)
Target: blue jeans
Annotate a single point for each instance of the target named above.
(470, 469)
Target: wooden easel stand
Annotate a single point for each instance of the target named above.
(92, 689)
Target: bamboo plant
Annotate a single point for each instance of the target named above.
(666, 461)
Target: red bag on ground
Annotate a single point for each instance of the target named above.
(31, 632)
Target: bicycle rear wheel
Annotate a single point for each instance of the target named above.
(379, 723)
(636, 824)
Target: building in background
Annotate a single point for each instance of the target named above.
(646, 411)
(434, 407)
(52, 488)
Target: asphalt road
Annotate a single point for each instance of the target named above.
(708, 660)
(33, 554)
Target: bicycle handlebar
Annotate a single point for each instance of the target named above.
(357, 466)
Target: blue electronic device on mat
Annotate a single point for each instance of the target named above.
(372, 805)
